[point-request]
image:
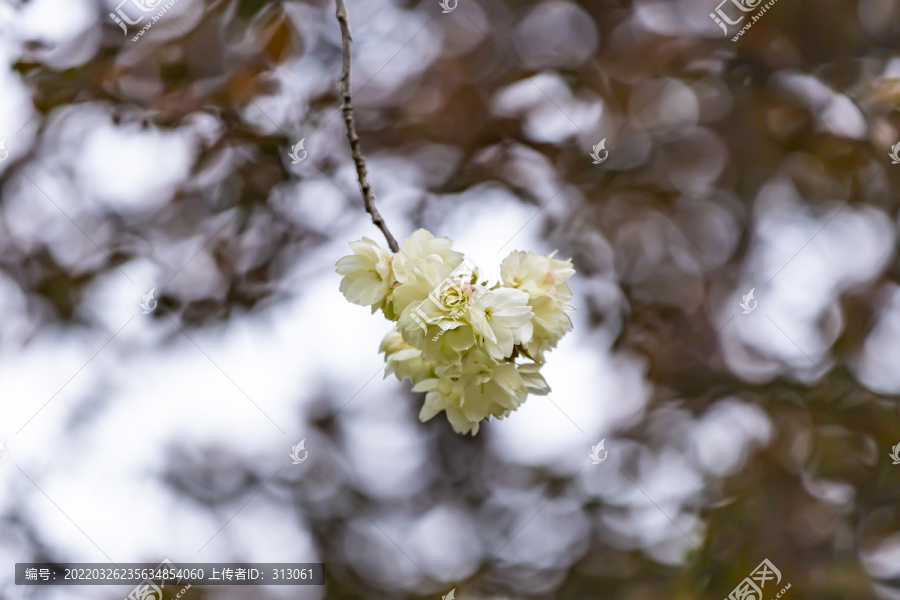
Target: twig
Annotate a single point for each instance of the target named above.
(350, 122)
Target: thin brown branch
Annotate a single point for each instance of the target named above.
(350, 123)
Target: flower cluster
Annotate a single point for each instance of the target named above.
(475, 350)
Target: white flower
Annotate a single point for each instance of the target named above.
(456, 339)
(445, 394)
(543, 278)
(537, 274)
(404, 361)
(439, 324)
(503, 317)
(550, 324)
(440, 337)
(479, 391)
(367, 274)
(533, 380)
(422, 263)
(422, 244)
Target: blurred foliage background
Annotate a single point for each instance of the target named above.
(758, 164)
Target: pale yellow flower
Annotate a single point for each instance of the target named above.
(550, 324)
(503, 318)
(478, 391)
(543, 278)
(537, 275)
(404, 361)
(458, 340)
(439, 336)
(421, 265)
(367, 274)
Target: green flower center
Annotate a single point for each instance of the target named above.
(455, 296)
